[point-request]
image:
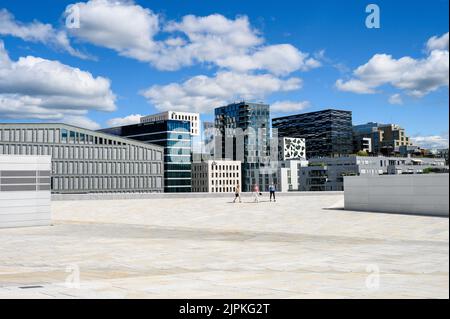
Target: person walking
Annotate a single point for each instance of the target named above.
(272, 190)
(237, 193)
(256, 193)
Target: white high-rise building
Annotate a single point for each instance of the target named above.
(193, 118)
(216, 176)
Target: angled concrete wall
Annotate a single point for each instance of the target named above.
(407, 194)
(25, 191)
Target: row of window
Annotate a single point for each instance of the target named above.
(220, 182)
(215, 175)
(103, 168)
(222, 189)
(53, 135)
(83, 152)
(102, 183)
(222, 167)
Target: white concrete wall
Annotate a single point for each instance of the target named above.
(408, 194)
(24, 208)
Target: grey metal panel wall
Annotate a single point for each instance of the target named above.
(406, 194)
(24, 191)
(85, 161)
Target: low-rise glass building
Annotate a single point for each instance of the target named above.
(175, 137)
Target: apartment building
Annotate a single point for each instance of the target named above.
(85, 161)
(384, 139)
(216, 176)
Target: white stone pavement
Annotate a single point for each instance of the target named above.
(299, 247)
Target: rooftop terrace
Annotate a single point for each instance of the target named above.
(299, 247)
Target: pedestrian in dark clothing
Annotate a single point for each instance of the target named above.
(272, 190)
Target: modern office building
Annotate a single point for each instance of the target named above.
(385, 139)
(287, 177)
(216, 176)
(85, 161)
(193, 118)
(327, 174)
(209, 135)
(327, 132)
(363, 144)
(441, 153)
(244, 133)
(175, 137)
(291, 156)
(25, 190)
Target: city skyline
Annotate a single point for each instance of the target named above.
(183, 56)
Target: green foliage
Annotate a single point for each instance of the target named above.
(362, 153)
(316, 164)
(431, 170)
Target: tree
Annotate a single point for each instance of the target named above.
(362, 153)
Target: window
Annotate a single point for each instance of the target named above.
(63, 136)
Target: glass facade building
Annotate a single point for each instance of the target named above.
(327, 133)
(175, 137)
(244, 135)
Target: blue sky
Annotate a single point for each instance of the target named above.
(299, 56)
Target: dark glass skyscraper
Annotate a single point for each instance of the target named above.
(175, 137)
(327, 133)
(244, 136)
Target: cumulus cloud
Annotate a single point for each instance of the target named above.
(119, 25)
(289, 106)
(36, 88)
(417, 77)
(81, 121)
(203, 94)
(396, 99)
(431, 141)
(36, 32)
(438, 43)
(127, 120)
(209, 39)
(137, 32)
(279, 59)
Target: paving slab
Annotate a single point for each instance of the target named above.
(298, 247)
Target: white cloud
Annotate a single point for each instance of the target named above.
(119, 25)
(438, 43)
(355, 86)
(36, 32)
(417, 77)
(289, 106)
(127, 120)
(209, 39)
(431, 141)
(36, 88)
(203, 94)
(280, 59)
(230, 44)
(396, 99)
(131, 29)
(81, 121)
